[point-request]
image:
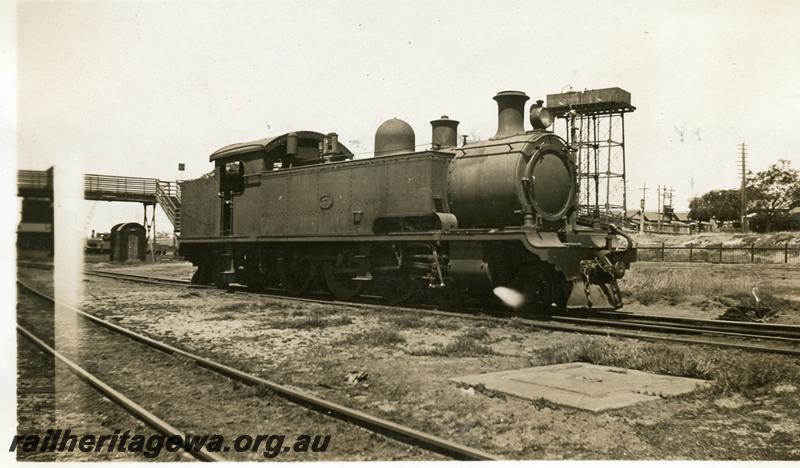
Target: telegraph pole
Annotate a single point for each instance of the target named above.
(641, 209)
(659, 208)
(743, 191)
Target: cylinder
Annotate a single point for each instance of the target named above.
(444, 133)
(510, 113)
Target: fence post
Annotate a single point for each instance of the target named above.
(752, 253)
(662, 251)
(720, 252)
(786, 252)
(690, 252)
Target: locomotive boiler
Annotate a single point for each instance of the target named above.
(298, 212)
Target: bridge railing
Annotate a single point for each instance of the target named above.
(94, 183)
(34, 180)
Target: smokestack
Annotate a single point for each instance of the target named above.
(444, 133)
(510, 113)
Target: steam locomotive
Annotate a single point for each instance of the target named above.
(297, 211)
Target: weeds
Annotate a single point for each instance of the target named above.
(257, 391)
(466, 344)
(650, 286)
(408, 321)
(729, 372)
(234, 307)
(380, 337)
(767, 300)
(305, 323)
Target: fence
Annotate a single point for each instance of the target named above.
(719, 254)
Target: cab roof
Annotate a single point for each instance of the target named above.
(269, 143)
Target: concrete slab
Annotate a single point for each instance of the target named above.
(582, 385)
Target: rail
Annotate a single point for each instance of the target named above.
(607, 329)
(719, 254)
(354, 416)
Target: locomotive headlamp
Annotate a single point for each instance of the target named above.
(541, 118)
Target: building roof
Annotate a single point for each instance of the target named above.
(681, 215)
(653, 216)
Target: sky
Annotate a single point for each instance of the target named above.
(130, 88)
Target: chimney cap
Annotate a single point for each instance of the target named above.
(444, 120)
(510, 93)
(510, 110)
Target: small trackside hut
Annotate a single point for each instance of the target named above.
(128, 242)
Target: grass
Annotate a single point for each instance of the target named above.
(729, 371)
(234, 307)
(189, 294)
(408, 321)
(653, 285)
(466, 344)
(256, 391)
(309, 322)
(378, 337)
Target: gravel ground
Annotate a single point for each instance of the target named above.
(195, 400)
(75, 406)
(404, 367)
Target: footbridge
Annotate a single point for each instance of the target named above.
(147, 191)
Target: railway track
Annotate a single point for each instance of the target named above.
(125, 402)
(770, 331)
(621, 324)
(353, 416)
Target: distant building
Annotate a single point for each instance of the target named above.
(669, 222)
(788, 221)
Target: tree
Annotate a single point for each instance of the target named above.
(722, 205)
(775, 191)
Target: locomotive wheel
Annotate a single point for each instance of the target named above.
(451, 295)
(536, 283)
(295, 275)
(201, 275)
(397, 288)
(217, 269)
(340, 285)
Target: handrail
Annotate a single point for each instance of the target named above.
(167, 195)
